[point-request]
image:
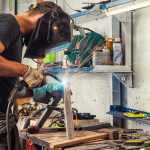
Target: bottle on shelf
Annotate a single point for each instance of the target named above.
(117, 52)
(102, 57)
(109, 44)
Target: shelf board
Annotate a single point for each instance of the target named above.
(74, 70)
(112, 68)
(98, 68)
(104, 6)
(121, 115)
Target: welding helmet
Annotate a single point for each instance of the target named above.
(53, 29)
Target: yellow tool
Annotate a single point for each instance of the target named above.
(134, 142)
(147, 148)
(135, 114)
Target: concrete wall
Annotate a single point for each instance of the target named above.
(23, 7)
(4, 6)
(139, 97)
(91, 92)
(136, 98)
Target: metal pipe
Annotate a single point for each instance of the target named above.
(16, 7)
(126, 7)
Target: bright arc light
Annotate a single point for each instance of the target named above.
(126, 7)
(64, 82)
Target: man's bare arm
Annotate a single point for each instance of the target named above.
(10, 68)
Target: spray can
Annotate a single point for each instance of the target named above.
(117, 52)
(109, 44)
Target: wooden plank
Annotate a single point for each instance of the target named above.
(58, 136)
(93, 142)
(95, 125)
(68, 113)
(47, 123)
(79, 140)
(100, 146)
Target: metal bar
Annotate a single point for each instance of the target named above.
(68, 113)
(114, 82)
(98, 68)
(131, 110)
(119, 115)
(47, 112)
(16, 7)
(89, 11)
(49, 109)
(115, 3)
(104, 6)
(119, 108)
(128, 40)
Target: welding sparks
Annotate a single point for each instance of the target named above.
(64, 82)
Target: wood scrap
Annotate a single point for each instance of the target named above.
(79, 140)
(95, 125)
(93, 142)
(113, 134)
(68, 113)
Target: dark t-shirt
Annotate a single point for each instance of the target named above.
(10, 35)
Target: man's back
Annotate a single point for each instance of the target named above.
(11, 36)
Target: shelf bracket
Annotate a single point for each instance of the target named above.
(125, 78)
(122, 17)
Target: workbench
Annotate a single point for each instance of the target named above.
(46, 138)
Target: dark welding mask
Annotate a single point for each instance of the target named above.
(53, 29)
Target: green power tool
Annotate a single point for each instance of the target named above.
(80, 50)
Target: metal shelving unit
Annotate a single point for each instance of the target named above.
(122, 73)
(118, 111)
(104, 6)
(98, 68)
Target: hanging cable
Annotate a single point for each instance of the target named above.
(88, 29)
(81, 11)
(36, 61)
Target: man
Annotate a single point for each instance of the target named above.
(12, 31)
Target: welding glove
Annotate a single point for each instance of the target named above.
(34, 78)
(41, 93)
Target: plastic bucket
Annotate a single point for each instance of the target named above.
(102, 58)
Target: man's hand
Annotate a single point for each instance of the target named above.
(40, 93)
(34, 78)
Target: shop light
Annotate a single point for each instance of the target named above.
(126, 7)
